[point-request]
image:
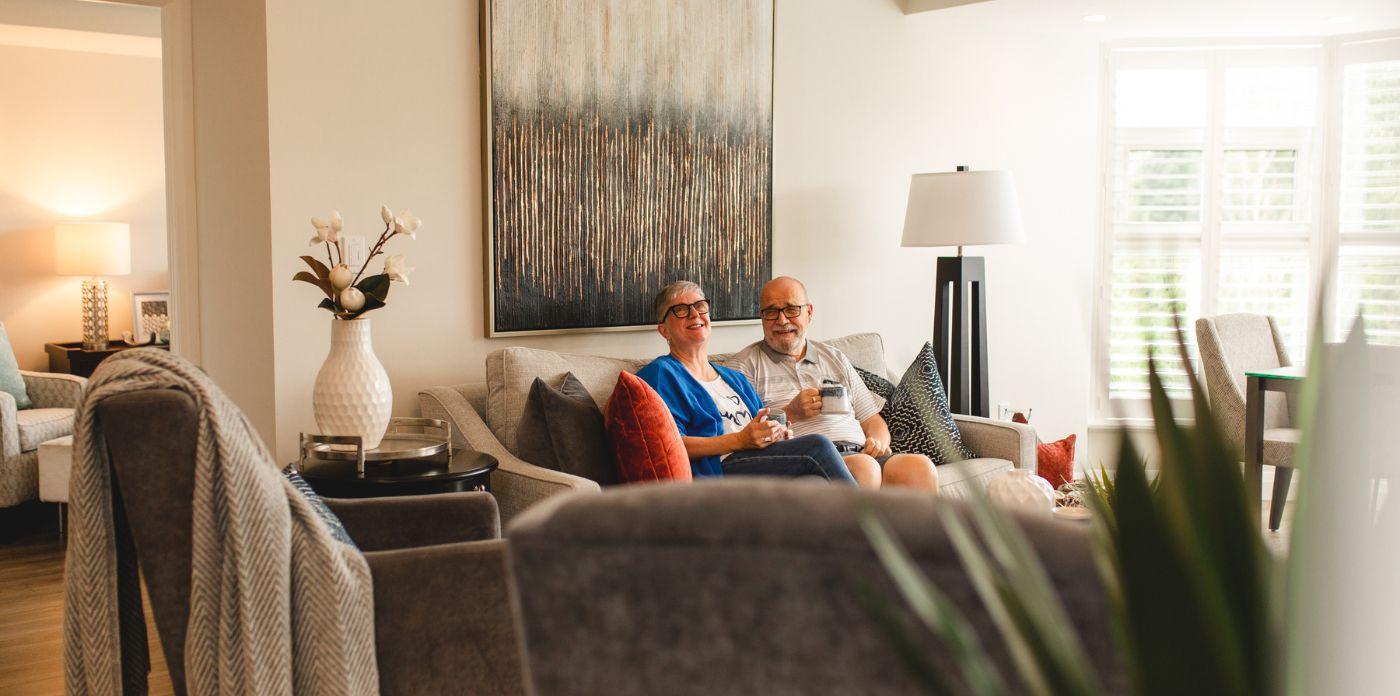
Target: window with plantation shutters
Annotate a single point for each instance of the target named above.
(1368, 262)
(1210, 206)
(1234, 175)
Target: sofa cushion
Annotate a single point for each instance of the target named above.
(918, 414)
(562, 429)
(511, 371)
(865, 350)
(643, 435)
(38, 425)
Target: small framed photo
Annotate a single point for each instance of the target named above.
(150, 316)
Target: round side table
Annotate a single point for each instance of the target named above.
(462, 470)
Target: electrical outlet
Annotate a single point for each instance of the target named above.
(355, 250)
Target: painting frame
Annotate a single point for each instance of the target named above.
(140, 303)
(488, 232)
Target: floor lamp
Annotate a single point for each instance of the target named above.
(962, 208)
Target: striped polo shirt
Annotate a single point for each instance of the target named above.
(778, 378)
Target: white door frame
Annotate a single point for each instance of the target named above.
(181, 204)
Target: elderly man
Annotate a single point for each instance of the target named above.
(788, 369)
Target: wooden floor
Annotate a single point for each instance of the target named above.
(31, 613)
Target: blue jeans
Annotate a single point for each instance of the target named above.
(809, 455)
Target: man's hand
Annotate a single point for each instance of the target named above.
(760, 432)
(876, 447)
(807, 404)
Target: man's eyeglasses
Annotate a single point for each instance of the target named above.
(790, 311)
(683, 311)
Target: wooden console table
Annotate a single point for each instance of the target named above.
(70, 358)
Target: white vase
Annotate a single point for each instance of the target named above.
(352, 394)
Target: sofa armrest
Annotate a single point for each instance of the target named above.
(377, 524)
(1014, 442)
(53, 390)
(9, 426)
(445, 620)
(516, 483)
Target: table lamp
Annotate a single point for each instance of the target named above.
(93, 249)
(962, 208)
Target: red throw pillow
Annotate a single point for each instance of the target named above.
(643, 435)
(1054, 461)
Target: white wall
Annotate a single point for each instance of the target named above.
(80, 139)
(864, 97)
(379, 102)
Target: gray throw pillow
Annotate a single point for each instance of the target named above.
(11, 380)
(562, 429)
(918, 414)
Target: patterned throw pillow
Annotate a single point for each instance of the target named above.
(338, 531)
(877, 385)
(643, 435)
(562, 429)
(10, 379)
(918, 414)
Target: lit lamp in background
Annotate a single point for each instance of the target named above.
(93, 249)
(962, 208)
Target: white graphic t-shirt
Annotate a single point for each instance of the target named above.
(732, 411)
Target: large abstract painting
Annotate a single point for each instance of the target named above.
(629, 144)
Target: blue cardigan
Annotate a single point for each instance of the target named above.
(692, 406)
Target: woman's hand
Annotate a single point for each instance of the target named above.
(760, 432)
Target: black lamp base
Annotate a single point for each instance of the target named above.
(960, 332)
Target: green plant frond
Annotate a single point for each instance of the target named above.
(1034, 596)
(1198, 516)
(933, 608)
(909, 651)
(375, 286)
(1026, 611)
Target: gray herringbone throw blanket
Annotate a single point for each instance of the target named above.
(276, 605)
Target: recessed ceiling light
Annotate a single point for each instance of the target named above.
(1098, 18)
(1339, 19)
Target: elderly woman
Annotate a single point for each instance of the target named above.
(722, 421)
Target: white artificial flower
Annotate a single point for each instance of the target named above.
(387, 214)
(351, 299)
(407, 224)
(396, 269)
(327, 232)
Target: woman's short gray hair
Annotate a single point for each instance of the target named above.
(671, 292)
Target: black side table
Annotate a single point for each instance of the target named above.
(70, 358)
(464, 470)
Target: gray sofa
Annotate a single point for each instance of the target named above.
(753, 587)
(486, 416)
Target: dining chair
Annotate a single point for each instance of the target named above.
(1230, 345)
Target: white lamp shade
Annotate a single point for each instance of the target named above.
(962, 209)
(92, 248)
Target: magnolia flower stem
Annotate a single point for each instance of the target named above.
(330, 260)
(383, 237)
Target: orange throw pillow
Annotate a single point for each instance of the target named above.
(1054, 461)
(642, 434)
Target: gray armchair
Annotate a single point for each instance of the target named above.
(754, 587)
(443, 616)
(54, 396)
(1230, 345)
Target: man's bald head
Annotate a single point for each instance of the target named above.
(787, 335)
(784, 287)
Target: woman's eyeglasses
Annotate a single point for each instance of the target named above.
(683, 311)
(790, 311)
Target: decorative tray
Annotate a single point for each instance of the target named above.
(434, 437)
